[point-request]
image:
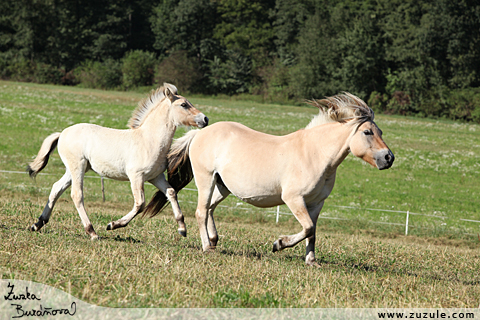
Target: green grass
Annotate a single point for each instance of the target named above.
(362, 263)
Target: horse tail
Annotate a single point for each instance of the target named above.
(40, 162)
(179, 172)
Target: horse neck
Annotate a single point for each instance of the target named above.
(158, 125)
(332, 141)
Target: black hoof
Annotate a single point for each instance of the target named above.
(183, 233)
(110, 226)
(276, 246)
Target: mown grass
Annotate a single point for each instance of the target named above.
(362, 264)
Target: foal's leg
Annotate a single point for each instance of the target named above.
(219, 194)
(57, 189)
(299, 210)
(78, 173)
(161, 183)
(136, 184)
(310, 242)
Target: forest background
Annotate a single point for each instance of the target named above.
(409, 57)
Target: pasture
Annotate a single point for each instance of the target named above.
(364, 263)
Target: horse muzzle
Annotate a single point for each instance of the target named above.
(201, 120)
(384, 159)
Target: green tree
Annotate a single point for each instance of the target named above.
(246, 28)
(185, 25)
(289, 19)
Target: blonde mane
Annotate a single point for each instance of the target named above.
(344, 108)
(146, 105)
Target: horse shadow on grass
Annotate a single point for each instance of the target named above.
(350, 265)
(128, 239)
(392, 270)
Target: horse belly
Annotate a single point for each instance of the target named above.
(265, 201)
(254, 192)
(109, 169)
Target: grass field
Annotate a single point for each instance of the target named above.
(364, 263)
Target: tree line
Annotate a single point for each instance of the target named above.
(410, 57)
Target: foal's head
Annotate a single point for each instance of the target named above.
(181, 110)
(366, 140)
(166, 99)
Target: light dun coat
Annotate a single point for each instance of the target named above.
(137, 154)
(297, 169)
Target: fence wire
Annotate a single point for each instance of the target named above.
(278, 212)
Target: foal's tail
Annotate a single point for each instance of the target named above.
(48, 145)
(179, 172)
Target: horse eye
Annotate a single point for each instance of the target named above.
(368, 132)
(184, 105)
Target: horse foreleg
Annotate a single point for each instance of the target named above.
(299, 210)
(138, 206)
(310, 241)
(77, 197)
(219, 194)
(161, 183)
(205, 184)
(57, 189)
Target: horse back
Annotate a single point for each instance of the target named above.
(256, 167)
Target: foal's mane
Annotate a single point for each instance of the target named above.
(344, 108)
(146, 105)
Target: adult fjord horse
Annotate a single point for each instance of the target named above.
(137, 154)
(297, 169)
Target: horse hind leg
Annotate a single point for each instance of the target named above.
(137, 185)
(57, 189)
(161, 183)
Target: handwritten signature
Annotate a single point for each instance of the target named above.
(41, 311)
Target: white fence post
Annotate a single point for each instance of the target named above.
(278, 212)
(406, 224)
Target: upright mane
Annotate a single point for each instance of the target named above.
(344, 108)
(146, 105)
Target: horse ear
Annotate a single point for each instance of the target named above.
(170, 91)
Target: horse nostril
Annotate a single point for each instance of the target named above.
(387, 157)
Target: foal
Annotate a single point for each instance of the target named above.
(137, 154)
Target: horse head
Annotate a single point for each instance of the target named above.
(183, 112)
(367, 144)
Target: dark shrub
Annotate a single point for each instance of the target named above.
(138, 68)
(179, 70)
(230, 75)
(45, 73)
(21, 69)
(100, 75)
(378, 101)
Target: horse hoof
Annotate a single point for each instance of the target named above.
(33, 228)
(183, 233)
(110, 226)
(313, 264)
(276, 246)
(95, 238)
(209, 249)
